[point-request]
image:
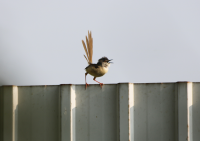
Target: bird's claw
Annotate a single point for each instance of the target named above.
(86, 84)
(101, 84)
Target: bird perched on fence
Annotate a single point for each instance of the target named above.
(96, 70)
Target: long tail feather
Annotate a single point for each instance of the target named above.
(87, 42)
(84, 46)
(89, 48)
(86, 59)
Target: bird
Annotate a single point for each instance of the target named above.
(96, 70)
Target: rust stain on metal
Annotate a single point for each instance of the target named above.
(66, 84)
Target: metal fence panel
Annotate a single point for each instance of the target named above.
(38, 114)
(124, 111)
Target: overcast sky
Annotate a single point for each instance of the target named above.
(149, 41)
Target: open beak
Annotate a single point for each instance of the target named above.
(110, 60)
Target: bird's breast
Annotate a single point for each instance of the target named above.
(97, 72)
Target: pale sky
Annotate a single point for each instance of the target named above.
(149, 41)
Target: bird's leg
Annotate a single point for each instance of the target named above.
(86, 84)
(101, 84)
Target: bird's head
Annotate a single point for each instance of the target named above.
(104, 61)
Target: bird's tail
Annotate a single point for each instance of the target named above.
(89, 48)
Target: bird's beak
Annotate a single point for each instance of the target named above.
(110, 60)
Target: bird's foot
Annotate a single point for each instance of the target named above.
(101, 84)
(86, 84)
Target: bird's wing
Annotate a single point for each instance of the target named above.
(89, 48)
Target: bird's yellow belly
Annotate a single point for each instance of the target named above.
(97, 72)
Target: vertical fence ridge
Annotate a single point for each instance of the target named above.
(189, 110)
(10, 113)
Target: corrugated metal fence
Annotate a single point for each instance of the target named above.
(117, 112)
